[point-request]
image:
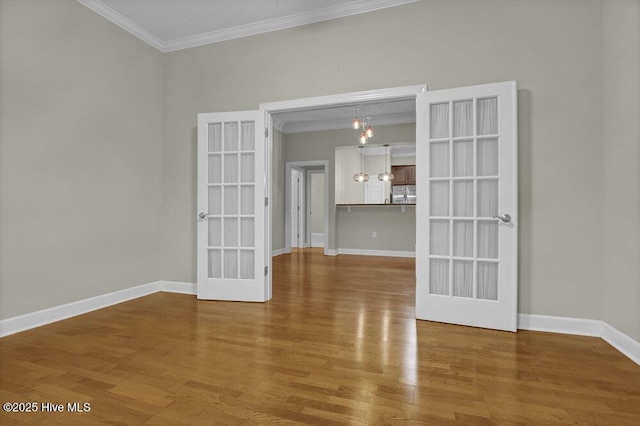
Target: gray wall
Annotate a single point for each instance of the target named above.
(621, 284)
(403, 161)
(552, 48)
(321, 146)
(80, 156)
(395, 230)
(87, 194)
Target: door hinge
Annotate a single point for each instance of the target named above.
(266, 270)
(266, 132)
(266, 201)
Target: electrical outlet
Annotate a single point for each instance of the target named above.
(374, 234)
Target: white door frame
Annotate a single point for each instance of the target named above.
(270, 108)
(300, 214)
(287, 217)
(325, 205)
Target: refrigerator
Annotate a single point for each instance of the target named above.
(403, 194)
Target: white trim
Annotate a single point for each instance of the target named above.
(295, 174)
(563, 325)
(68, 310)
(387, 253)
(582, 327)
(622, 342)
(58, 313)
(282, 23)
(319, 101)
(278, 252)
(317, 239)
(353, 97)
(545, 323)
(289, 165)
(124, 23)
(305, 18)
(336, 124)
(179, 287)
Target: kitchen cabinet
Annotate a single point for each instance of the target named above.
(404, 175)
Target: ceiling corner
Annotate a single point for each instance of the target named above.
(124, 23)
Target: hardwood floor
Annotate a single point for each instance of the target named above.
(337, 344)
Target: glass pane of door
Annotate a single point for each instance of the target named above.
(231, 200)
(464, 198)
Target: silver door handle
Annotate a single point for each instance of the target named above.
(203, 215)
(506, 218)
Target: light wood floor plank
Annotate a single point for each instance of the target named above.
(337, 344)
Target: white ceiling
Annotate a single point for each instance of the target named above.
(179, 24)
(341, 116)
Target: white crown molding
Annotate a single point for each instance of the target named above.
(124, 23)
(277, 123)
(282, 23)
(305, 18)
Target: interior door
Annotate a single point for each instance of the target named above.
(231, 207)
(297, 214)
(467, 219)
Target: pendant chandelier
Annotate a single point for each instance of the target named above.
(386, 176)
(364, 126)
(362, 176)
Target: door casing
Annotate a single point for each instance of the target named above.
(269, 108)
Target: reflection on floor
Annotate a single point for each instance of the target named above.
(337, 344)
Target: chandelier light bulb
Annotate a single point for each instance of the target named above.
(369, 132)
(386, 177)
(356, 123)
(361, 177)
(363, 138)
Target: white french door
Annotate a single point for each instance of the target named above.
(466, 213)
(231, 207)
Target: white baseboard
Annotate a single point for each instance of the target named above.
(178, 287)
(622, 342)
(278, 252)
(582, 327)
(331, 252)
(58, 313)
(564, 325)
(317, 239)
(388, 253)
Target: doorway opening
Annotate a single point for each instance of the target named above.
(307, 211)
(297, 215)
(320, 113)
